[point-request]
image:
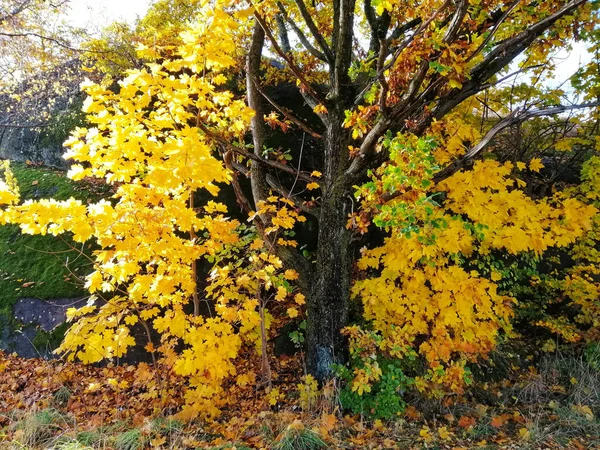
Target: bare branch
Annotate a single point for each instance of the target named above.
(19, 9)
(287, 57)
(42, 37)
(283, 34)
(489, 37)
(287, 113)
(314, 30)
(303, 39)
(499, 58)
(516, 117)
(419, 30)
(281, 190)
(457, 20)
(253, 157)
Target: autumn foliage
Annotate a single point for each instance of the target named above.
(206, 288)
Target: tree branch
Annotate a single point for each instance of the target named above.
(314, 31)
(343, 22)
(500, 57)
(256, 158)
(281, 190)
(287, 57)
(303, 39)
(515, 117)
(456, 22)
(287, 113)
(495, 28)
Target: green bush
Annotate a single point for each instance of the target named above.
(385, 400)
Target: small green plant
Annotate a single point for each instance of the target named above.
(384, 400)
(40, 429)
(297, 437)
(483, 430)
(89, 438)
(130, 440)
(71, 445)
(61, 397)
(297, 336)
(165, 426)
(50, 340)
(592, 355)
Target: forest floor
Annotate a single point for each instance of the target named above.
(59, 405)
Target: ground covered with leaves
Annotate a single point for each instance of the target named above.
(59, 405)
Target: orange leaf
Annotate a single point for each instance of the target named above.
(497, 421)
(466, 422)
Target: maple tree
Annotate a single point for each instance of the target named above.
(394, 144)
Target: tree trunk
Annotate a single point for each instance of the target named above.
(328, 301)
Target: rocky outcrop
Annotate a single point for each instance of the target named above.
(26, 144)
(32, 318)
(37, 115)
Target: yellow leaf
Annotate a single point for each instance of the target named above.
(281, 293)
(312, 186)
(536, 164)
(300, 299)
(455, 84)
(443, 433)
(158, 441)
(296, 425)
(425, 433)
(131, 320)
(292, 312)
(274, 396)
(244, 14)
(290, 274)
(524, 434)
(93, 387)
(320, 109)
(257, 244)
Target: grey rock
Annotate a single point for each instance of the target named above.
(46, 314)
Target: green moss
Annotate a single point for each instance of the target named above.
(43, 267)
(50, 339)
(40, 182)
(47, 261)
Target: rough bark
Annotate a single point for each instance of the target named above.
(328, 300)
(259, 178)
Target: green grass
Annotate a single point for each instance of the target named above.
(40, 428)
(299, 439)
(130, 440)
(43, 267)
